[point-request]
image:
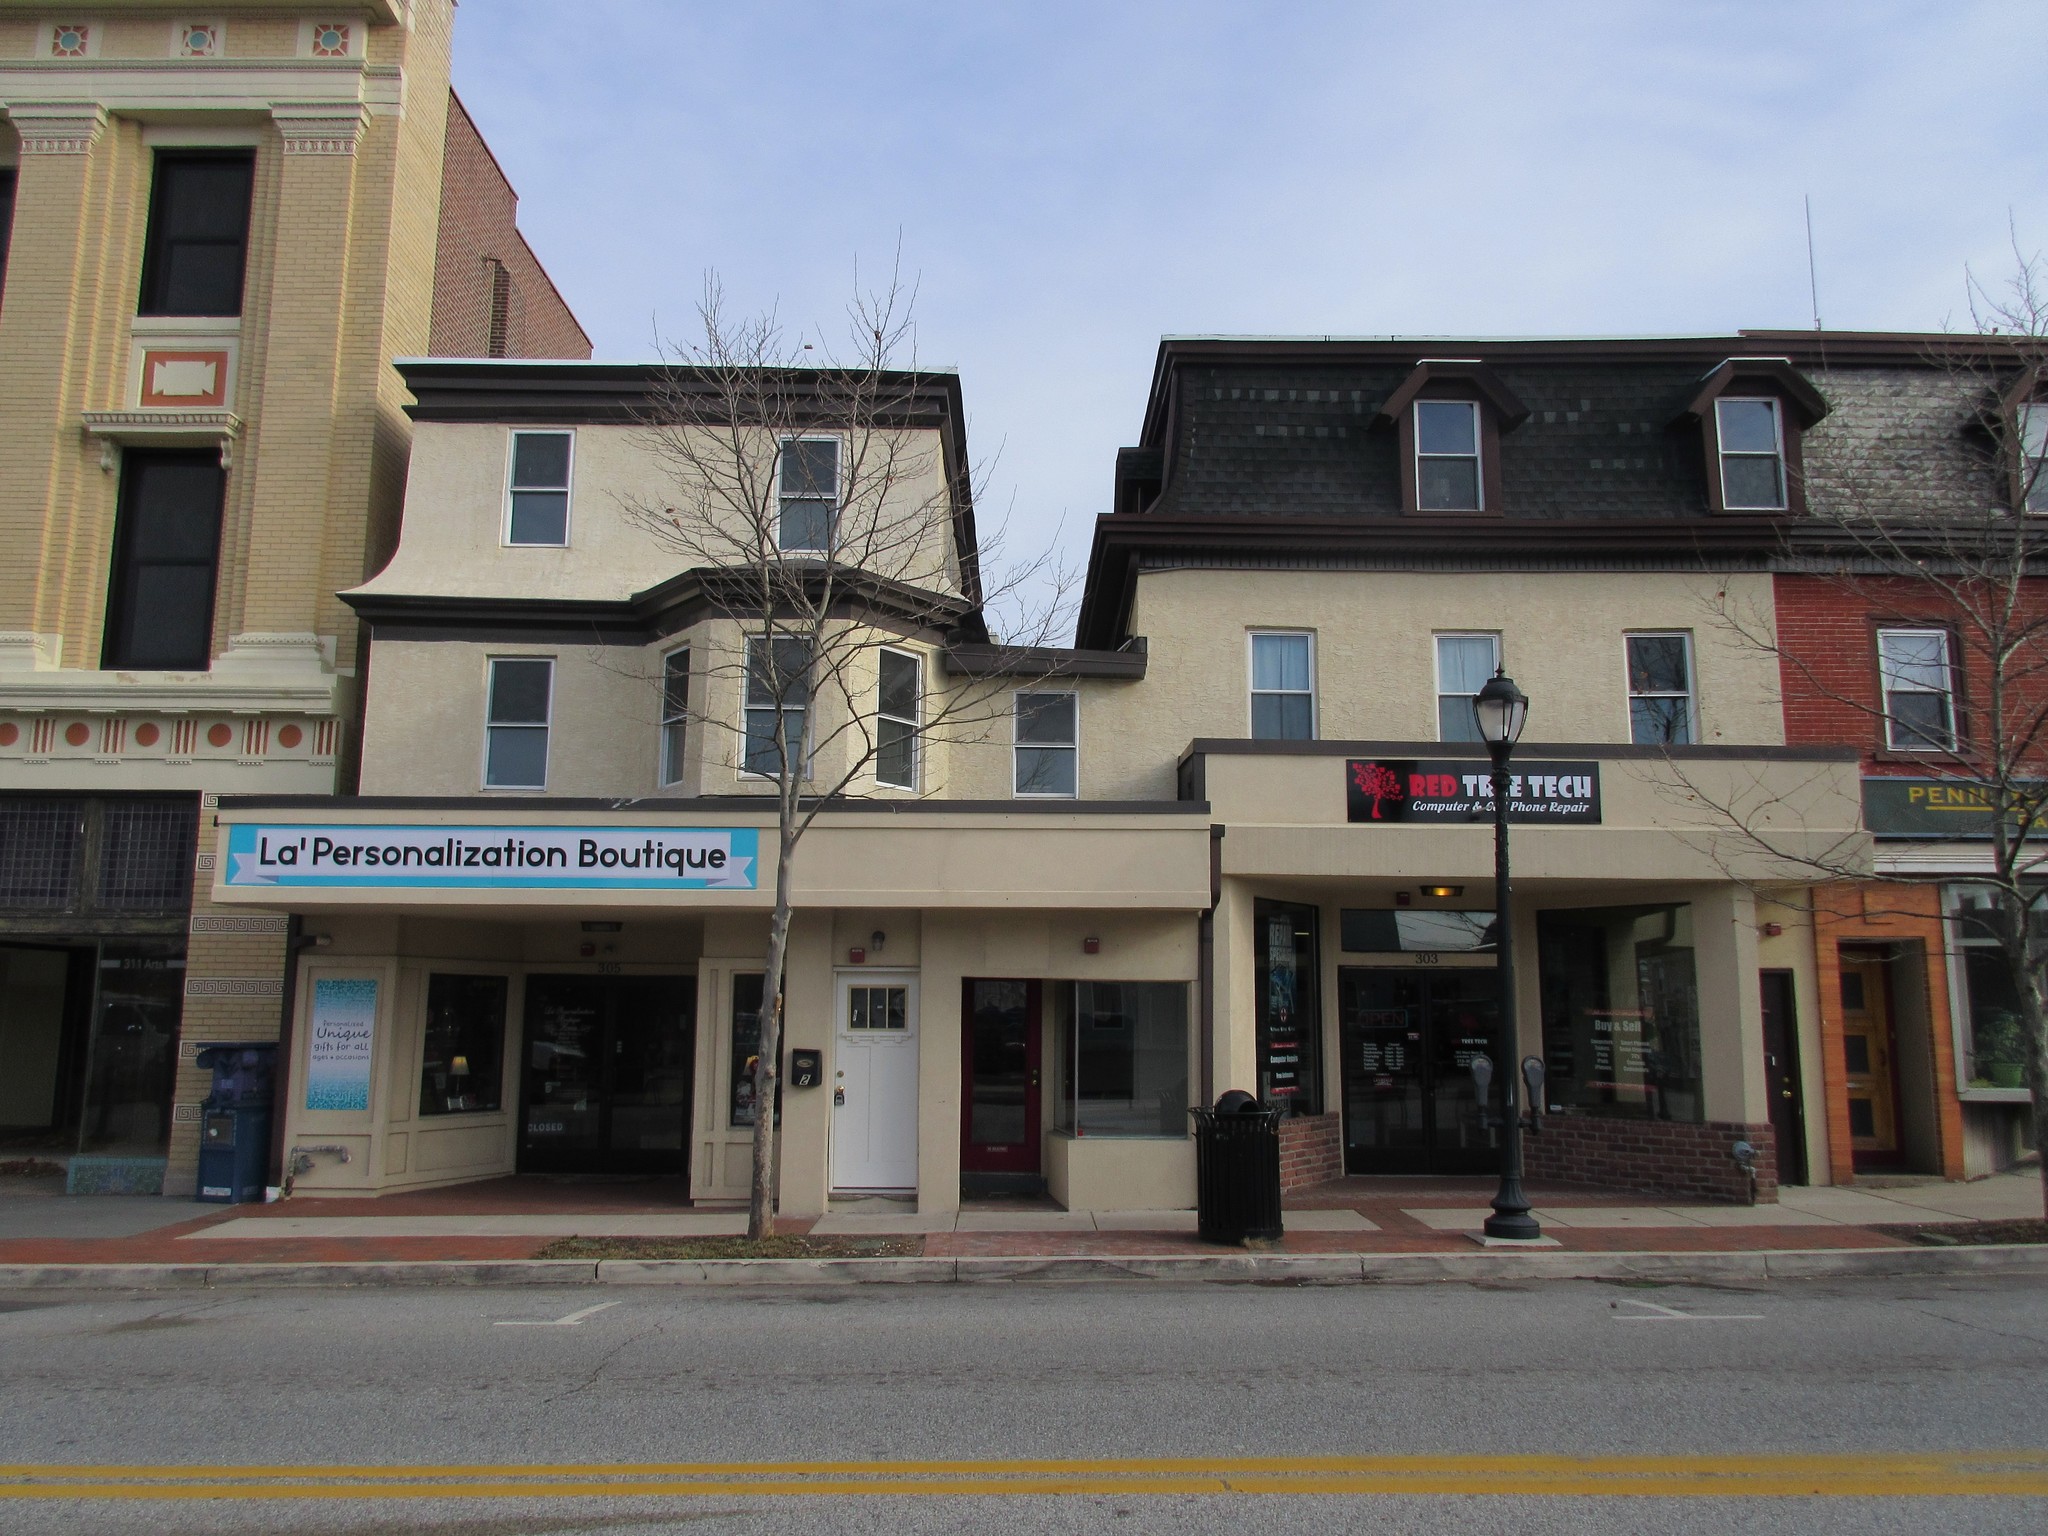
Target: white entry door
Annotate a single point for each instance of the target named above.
(874, 1102)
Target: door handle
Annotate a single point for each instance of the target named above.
(838, 1097)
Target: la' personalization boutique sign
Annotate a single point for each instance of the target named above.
(495, 858)
(1415, 790)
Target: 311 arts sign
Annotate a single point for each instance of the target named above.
(1459, 791)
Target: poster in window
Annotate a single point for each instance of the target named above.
(342, 1043)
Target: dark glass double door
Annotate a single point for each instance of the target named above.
(608, 1071)
(1409, 1039)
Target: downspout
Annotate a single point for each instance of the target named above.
(1206, 930)
(281, 1094)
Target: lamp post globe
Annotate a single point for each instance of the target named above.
(1500, 709)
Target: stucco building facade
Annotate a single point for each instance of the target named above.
(1235, 837)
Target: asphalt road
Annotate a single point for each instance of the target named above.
(1173, 1397)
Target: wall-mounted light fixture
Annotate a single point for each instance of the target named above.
(1442, 892)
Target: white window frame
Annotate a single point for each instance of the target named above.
(1015, 744)
(2031, 422)
(671, 764)
(1477, 455)
(545, 726)
(1436, 661)
(568, 488)
(838, 487)
(1252, 690)
(1692, 681)
(916, 723)
(1723, 454)
(809, 739)
(1947, 692)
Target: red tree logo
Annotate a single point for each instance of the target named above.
(1378, 782)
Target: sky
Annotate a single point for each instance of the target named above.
(1068, 182)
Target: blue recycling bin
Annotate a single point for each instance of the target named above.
(234, 1122)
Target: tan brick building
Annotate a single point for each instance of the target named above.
(225, 224)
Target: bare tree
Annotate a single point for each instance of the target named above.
(1926, 525)
(820, 507)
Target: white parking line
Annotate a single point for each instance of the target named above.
(571, 1321)
(1657, 1314)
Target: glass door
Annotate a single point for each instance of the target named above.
(1409, 1037)
(999, 1128)
(608, 1074)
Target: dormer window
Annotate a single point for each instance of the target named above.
(1751, 413)
(2033, 434)
(1450, 414)
(1752, 438)
(1447, 456)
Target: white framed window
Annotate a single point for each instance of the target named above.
(1463, 664)
(675, 713)
(1048, 745)
(537, 489)
(807, 492)
(1447, 477)
(1752, 439)
(1661, 709)
(899, 706)
(516, 722)
(2033, 427)
(778, 706)
(1283, 685)
(1919, 690)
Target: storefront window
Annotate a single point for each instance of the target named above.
(134, 1047)
(1994, 1036)
(1289, 1015)
(746, 1045)
(1621, 1025)
(462, 1060)
(1123, 1058)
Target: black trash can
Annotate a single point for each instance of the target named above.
(1237, 1170)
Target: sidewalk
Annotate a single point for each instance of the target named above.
(511, 1220)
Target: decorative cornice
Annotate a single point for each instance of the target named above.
(319, 128)
(58, 127)
(159, 423)
(161, 427)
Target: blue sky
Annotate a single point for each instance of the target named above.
(1071, 181)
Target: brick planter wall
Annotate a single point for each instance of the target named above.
(1311, 1150)
(1653, 1155)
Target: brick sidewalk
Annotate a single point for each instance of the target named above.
(1408, 1215)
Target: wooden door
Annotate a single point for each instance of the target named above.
(1781, 1075)
(999, 1058)
(874, 1113)
(1867, 1057)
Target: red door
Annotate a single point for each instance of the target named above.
(999, 1051)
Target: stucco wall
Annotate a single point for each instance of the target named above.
(1376, 667)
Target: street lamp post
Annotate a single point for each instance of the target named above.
(1500, 708)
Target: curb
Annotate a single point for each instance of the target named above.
(1231, 1268)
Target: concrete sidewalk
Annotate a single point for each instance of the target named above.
(1338, 1230)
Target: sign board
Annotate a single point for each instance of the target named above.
(1460, 791)
(501, 858)
(342, 1043)
(1926, 808)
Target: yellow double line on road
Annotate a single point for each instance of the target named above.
(1866, 1475)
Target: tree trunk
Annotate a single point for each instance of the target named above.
(2026, 985)
(761, 1195)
